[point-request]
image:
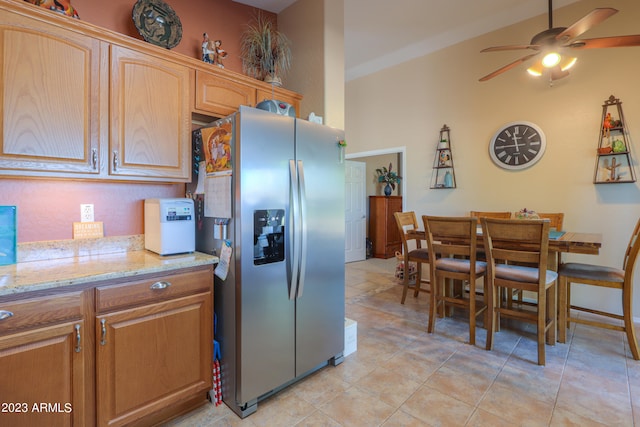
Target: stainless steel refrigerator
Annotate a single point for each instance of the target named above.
(281, 308)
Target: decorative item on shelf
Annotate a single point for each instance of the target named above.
(443, 174)
(389, 177)
(157, 23)
(613, 160)
(61, 6)
(265, 51)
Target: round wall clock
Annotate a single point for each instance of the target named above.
(517, 145)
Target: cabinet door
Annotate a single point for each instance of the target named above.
(152, 356)
(219, 96)
(150, 135)
(42, 373)
(49, 114)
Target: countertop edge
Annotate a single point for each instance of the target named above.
(68, 272)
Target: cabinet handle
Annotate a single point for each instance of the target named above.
(4, 314)
(115, 160)
(94, 158)
(103, 339)
(160, 285)
(78, 339)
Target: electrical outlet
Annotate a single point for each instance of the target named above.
(86, 213)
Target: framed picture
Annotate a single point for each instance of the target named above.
(613, 169)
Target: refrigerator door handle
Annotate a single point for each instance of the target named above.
(294, 255)
(303, 228)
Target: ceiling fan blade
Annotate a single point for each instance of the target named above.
(508, 67)
(511, 47)
(602, 42)
(591, 19)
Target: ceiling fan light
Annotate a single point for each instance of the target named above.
(551, 59)
(534, 72)
(535, 69)
(570, 62)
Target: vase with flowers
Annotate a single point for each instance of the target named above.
(389, 177)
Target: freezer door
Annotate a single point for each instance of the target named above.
(321, 301)
(265, 314)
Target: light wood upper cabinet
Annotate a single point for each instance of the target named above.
(220, 97)
(150, 117)
(49, 94)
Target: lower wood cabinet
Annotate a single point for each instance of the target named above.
(135, 352)
(151, 357)
(43, 364)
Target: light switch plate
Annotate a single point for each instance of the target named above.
(86, 213)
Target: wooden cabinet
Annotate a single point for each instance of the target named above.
(136, 352)
(50, 117)
(150, 117)
(79, 101)
(383, 230)
(153, 347)
(220, 97)
(44, 359)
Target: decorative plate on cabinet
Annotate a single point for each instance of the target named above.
(157, 23)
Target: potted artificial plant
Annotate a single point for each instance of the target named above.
(265, 51)
(389, 177)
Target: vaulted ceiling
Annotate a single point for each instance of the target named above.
(380, 33)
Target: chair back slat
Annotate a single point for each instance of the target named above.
(451, 236)
(514, 241)
(480, 214)
(556, 220)
(407, 222)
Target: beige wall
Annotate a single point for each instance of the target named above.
(317, 31)
(443, 87)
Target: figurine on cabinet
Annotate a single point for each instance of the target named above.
(208, 49)
(218, 53)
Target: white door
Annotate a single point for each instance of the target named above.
(355, 211)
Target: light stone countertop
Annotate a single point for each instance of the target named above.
(85, 262)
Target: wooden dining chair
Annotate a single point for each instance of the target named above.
(451, 242)
(556, 220)
(602, 276)
(412, 251)
(480, 214)
(487, 214)
(526, 243)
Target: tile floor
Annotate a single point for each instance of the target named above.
(402, 376)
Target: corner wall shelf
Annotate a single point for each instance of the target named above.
(614, 164)
(443, 175)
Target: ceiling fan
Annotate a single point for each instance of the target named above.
(555, 44)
